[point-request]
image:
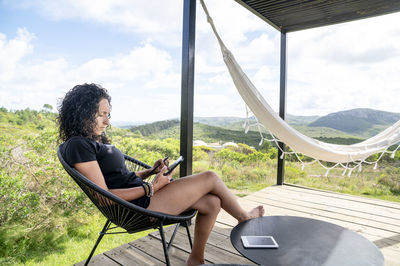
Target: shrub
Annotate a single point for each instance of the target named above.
(391, 179)
(257, 157)
(292, 173)
(266, 147)
(243, 148)
(149, 151)
(16, 201)
(206, 149)
(273, 153)
(199, 154)
(230, 174)
(229, 155)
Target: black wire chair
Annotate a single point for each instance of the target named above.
(124, 214)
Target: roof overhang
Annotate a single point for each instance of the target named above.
(295, 15)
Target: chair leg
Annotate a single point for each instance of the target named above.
(173, 236)
(105, 228)
(161, 229)
(187, 223)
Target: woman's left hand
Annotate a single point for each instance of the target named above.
(158, 165)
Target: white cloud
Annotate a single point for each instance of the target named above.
(255, 46)
(261, 50)
(216, 104)
(345, 66)
(11, 51)
(144, 75)
(159, 19)
(221, 79)
(233, 21)
(148, 67)
(208, 65)
(331, 68)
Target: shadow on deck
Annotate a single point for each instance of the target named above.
(377, 220)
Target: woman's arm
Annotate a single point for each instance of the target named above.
(92, 171)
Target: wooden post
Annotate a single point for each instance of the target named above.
(282, 106)
(187, 86)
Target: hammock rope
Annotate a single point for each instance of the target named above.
(349, 157)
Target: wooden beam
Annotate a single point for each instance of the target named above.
(187, 86)
(282, 106)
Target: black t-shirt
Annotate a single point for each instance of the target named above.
(110, 159)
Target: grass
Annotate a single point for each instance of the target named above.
(365, 183)
(67, 237)
(246, 179)
(71, 238)
(66, 245)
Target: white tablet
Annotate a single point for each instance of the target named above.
(259, 242)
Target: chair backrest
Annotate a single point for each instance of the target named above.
(129, 216)
(134, 165)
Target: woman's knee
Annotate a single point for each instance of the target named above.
(209, 204)
(212, 176)
(214, 203)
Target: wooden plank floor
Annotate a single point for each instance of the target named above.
(377, 220)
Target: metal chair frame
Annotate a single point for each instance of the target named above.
(125, 215)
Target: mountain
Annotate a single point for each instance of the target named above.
(155, 127)
(300, 120)
(229, 121)
(216, 134)
(219, 121)
(207, 133)
(341, 127)
(127, 124)
(362, 122)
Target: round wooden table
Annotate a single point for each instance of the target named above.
(308, 242)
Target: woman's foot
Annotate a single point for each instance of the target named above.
(254, 213)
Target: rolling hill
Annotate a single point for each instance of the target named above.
(204, 132)
(361, 122)
(341, 127)
(229, 122)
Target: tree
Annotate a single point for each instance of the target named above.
(47, 107)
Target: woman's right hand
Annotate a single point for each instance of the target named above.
(161, 180)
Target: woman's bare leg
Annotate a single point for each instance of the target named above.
(200, 191)
(183, 193)
(208, 208)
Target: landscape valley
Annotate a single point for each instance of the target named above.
(45, 218)
(344, 127)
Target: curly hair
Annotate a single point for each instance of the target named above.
(78, 110)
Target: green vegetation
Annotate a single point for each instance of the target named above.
(207, 133)
(45, 219)
(322, 132)
(149, 129)
(355, 123)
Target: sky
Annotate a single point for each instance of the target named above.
(133, 49)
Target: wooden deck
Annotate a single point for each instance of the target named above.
(377, 220)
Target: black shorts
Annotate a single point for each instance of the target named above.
(143, 202)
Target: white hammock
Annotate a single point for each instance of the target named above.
(295, 140)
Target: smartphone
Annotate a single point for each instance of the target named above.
(174, 165)
(259, 242)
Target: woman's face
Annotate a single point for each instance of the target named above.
(102, 118)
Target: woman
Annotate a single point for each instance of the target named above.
(84, 114)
